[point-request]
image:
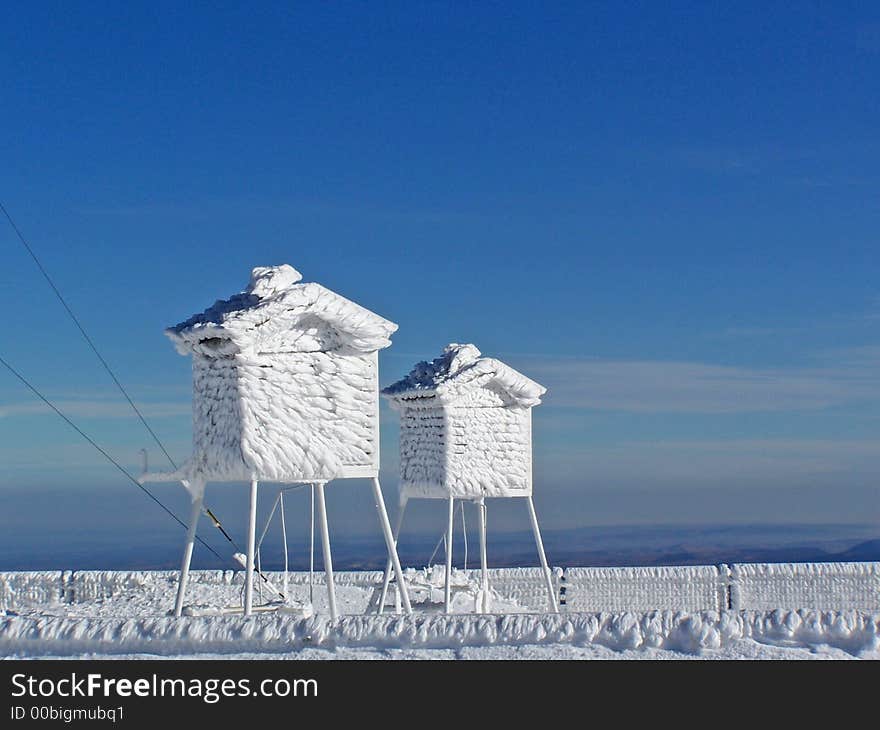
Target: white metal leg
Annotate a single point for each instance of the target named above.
(548, 578)
(259, 547)
(188, 550)
(386, 579)
(259, 571)
(447, 595)
(390, 544)
(312, 546)
(251, 539)
(463, 532)
(325, 546)
(284, 539)
(484, 565)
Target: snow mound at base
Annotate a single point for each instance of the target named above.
(855, 632)
(427, 592)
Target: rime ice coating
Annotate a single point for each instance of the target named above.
(284, 383)
(465, 427)
(277, 313)
(269, 280)
(461, 369)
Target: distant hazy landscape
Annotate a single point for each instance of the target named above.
(140, 539)
(663, 545)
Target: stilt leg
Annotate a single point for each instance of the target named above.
(389, 565)
(188, 549)
(539, 543)
(447, 596)
(392, 548)
(284, 540)
(312, 546)
(484, 566)
(325, 546)
(259, 569)
(251, 539)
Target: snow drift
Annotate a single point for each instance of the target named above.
(852, 631)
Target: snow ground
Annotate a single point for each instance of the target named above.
(126, 616)
(743, 649)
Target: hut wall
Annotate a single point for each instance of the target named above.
(285, 416)
(423, 452)
(490, 451)
(465, 452)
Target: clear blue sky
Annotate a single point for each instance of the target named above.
(666, 213)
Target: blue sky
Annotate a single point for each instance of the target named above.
(666, 213)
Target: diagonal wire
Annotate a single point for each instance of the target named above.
(101, 450)
(83, 332)
(119, 385)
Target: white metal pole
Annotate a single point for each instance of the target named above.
(463, 533)
(188, 549)
(447, 596)
(251, 539)
(386, 579)
(284, 539)
(548, 578)
(325, 546)
(312, 546)
(267, 525)
(260, 548)
(392, 548)
(484, 566)
(259, 568)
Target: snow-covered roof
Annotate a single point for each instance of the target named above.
(278, 313)
(461, 369)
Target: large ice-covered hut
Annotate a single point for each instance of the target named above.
(285, 389)
(285, 384)
(466, 434)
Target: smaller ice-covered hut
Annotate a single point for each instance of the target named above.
(285, 389)
(466, 434)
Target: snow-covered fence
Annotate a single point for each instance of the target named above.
(79, 586)
(526, 586)
(755, 586)
(741, 586)
(355, 578)
(822, 586)
(33, 588)
(88, 585)
(684, 588)
(30, 587)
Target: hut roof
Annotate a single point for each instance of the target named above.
(461, 369)
(274, 303)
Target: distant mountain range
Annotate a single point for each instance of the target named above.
(868, 550)
(587, 546)
(648, 545)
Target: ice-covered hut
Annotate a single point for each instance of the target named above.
(285, 385)
(466, 433)
(285, 389)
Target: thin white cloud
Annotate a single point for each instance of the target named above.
(655, 386)
(855, 321)
(710, 464)
(761, 331)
